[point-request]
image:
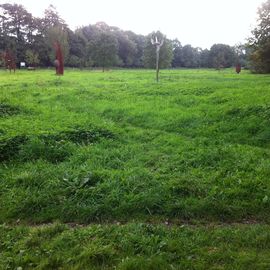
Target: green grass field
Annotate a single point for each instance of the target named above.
(114, 171)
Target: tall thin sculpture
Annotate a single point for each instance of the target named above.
(59, 61)
(238, 68)
(158, 44)
(9, 61)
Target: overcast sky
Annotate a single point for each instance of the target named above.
(200, 23)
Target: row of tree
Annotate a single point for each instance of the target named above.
(100, 45)
(259, 43)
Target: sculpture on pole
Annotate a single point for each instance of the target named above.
(9, 61)
(238, 68)
(59, 61)
(157, 43)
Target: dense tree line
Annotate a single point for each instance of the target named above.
(100, 45)
(259, 43)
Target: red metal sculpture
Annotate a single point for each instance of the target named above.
(238, 68)
(59, 61)
(9, 61)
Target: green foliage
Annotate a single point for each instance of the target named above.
(99, 45)
(31, 58)
(52, 18)
(190, 57)
(241, 54)
(127, 49)
(221, 56)
(166, 52)
(78, 51)
(205, 59)
(57, 33)
(177, 53)
(104, 50)
(74, 61)
(259, 43)
(14, 29)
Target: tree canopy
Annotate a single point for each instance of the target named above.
(259, 43)
(31, 39)
(221, 56)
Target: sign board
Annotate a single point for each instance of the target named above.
(22, 64)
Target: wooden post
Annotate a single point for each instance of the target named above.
(158, 44)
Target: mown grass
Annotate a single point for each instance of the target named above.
(135, 247)
(116, 146)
